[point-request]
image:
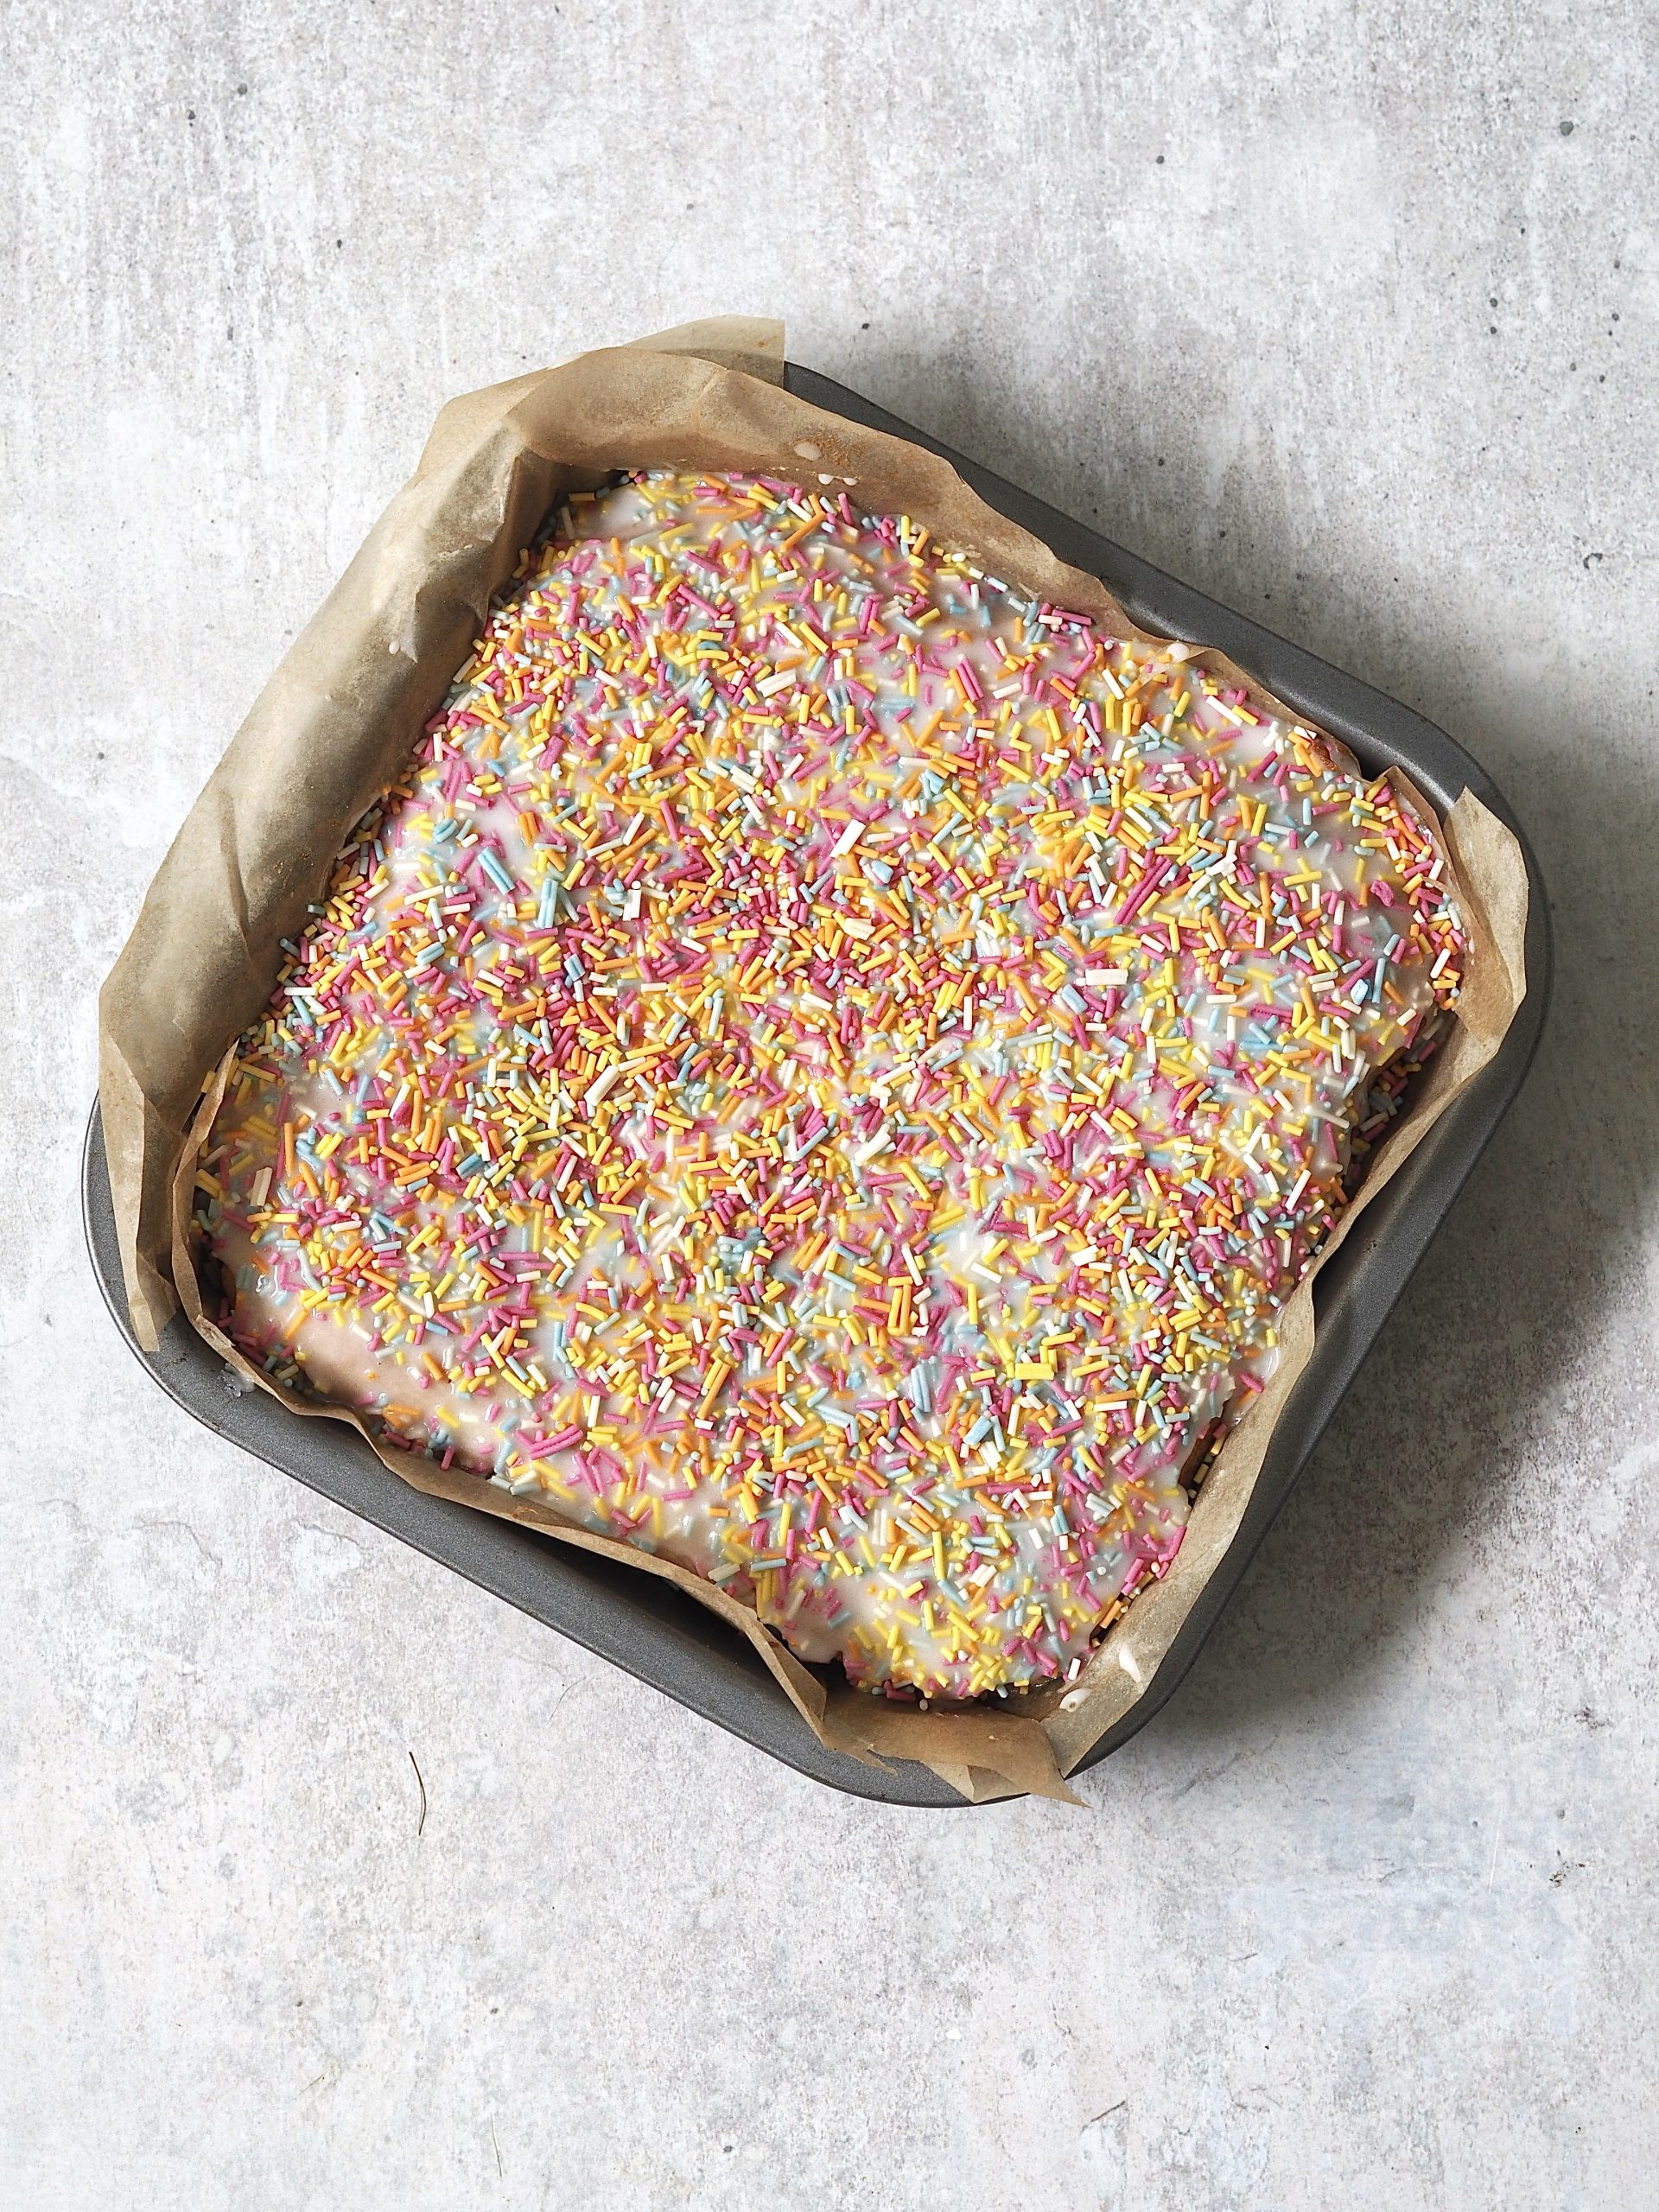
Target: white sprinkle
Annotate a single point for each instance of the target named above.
(606, 1080)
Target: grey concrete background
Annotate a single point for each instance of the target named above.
(1348, 316)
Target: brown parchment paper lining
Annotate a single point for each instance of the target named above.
(330, 732)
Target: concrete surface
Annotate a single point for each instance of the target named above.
(1348, 316)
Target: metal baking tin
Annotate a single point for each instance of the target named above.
(648, 1628)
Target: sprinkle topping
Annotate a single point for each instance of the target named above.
(828, 1069)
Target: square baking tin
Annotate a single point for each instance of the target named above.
(651, 1629)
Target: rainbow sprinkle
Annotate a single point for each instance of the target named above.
(828, 1069)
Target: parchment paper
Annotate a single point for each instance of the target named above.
(328, 734)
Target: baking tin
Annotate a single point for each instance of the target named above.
(651, 1630)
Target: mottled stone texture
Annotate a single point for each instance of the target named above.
(1351, 321)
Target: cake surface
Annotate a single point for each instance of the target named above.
(828, 1069)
